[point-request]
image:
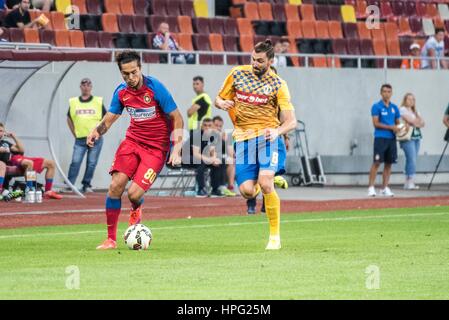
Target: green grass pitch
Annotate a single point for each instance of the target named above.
(369, 254)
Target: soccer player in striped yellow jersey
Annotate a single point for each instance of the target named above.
(258, 102)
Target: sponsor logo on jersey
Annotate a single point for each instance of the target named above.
(267, 89)
(254, 99)
(141, 114)
(85, 112)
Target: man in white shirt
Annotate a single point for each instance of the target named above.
(434, 47)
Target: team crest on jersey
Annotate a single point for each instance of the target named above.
(147, 98)
(267, 89)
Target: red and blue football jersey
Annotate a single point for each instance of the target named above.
(148, 108)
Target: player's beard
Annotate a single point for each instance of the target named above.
(259, 72)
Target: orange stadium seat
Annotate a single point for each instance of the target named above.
(393, 47)
(185, 41)
(319, 62)
(294, 29)
(81, 4)
(185, 24)
(293, 49)
(307, 12)
(77, 39)
(380, 49)
(308, 29)
(58, 20)
(322, 30)
(265, 11)
(216, 42)
(391, 30)
(363, 31)
(361, 9)
(250, 11)
(245, 26)
(31, 35)
(432, 11)
(112, 6)
(109, 22)
(127, 7)
(378, 33)
(291, 12)
(62, 38)
(404, 26)
(246, 43)
(237, 2)
(335, 31)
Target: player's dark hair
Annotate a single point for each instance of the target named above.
(265, 46)
(2, 125)
(274, 69)
(217, 118)
(127, 56)
(198, 78)
(439, 30)
(386, 85)
(206, 120)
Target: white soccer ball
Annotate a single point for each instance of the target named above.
(138, 237)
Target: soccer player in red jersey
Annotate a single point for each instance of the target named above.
(155, 120)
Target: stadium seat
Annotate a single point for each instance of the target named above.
(439, 23)
(141, 7)
(127, 7)
(363, 31)
(319, 62)
(428, 27)
(307, 12)
(308, 29)
(385, 10)
(138, 41)
(294, 50)
(58, 20)
(398, 8)
(47, 36)
(391, 30)
(245, 26)
(279, 12)
(185, 41)
(443, 9)
(185, 24)
(201, 8)
(335, 30)
(16, 35)
(246, 43)
(322, 12)
(173, 8)
(361, 9)
(90, 22)
(366, 47)
(393, 47)
(350, 30)
(415, 25)
(91, 39)
(339, 47)
(139, 24)
(335, 13)
(421, 9)
(31, 35)
(250, 11)
(379, 46)
(201, 43)
(230, 45)
(378, 33)
(109, 22)
(260, 27)
(265, 11)
(216, 42)
(294, 29)
(201, 25)
(94, 7)
(121, 41)
(187, 8)
(62, 38)
(77, 39)
(353, 46)
(404, 26)
(216, 25)
(148, 57)
(410, 8)
(112, 6)
(158, 7)
(291, 12)
(173, 22)
(348, 13)
(125, 23)
(81, 5)
(322, 29)
(230, 27)
(432, 11)
(62, 5)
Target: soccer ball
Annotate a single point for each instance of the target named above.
(138, 237)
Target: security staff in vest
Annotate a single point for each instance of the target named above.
(85, 113)
(201, 105)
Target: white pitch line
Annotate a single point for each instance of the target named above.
(235, 224)
(63, 211)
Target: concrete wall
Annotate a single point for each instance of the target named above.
(335, 104)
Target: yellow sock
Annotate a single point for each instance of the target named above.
(273, 211)
(257, 188)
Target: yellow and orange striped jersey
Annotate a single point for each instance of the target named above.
(257, 101)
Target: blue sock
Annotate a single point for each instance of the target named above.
(29, 184)
(2, 179)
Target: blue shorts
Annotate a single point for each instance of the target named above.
(257, 154)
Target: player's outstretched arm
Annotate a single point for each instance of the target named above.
(102, 128)
(176, 138)
(223, 104)
(288, 122)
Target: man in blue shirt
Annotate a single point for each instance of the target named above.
(385, 120)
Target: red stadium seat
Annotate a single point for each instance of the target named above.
(91, 39)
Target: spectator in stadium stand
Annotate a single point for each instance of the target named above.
(204, 155)
(20, 17)
(434, 47)
(85, 113)
(411, 147)
(44, 5)
(201, 105)
(163, 40)
(407, 63)
(280, 60)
